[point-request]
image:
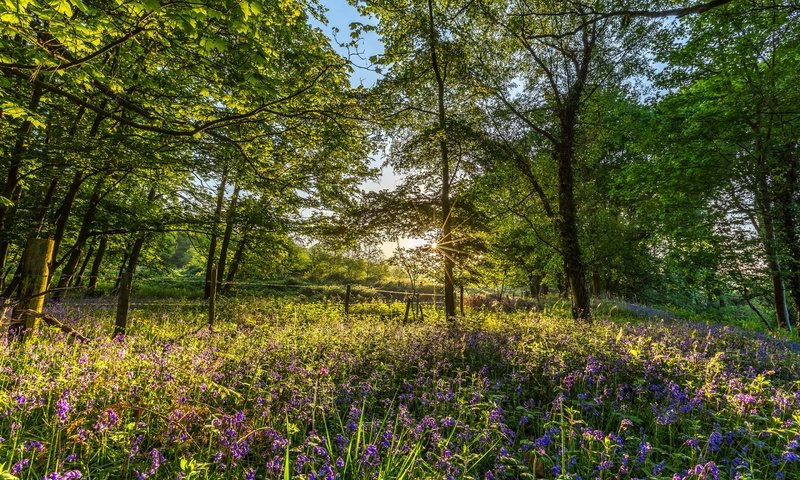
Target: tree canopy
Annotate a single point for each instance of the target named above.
(647, 150)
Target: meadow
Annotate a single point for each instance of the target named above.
(282, 389)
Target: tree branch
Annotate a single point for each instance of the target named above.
(198, 128)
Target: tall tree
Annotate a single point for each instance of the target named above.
(733, 111)
(560, 58)
(424, 108)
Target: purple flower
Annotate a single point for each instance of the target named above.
(340, 440)
(156, 459)
(69, 475)
(300, 462)
(714, 441)
(371, 456)
(106, 420)
(708, 471)
(388, 439)
(605, 465)
(17, 467)
(496, 415)
(63, 408)
(33, 445)
(447, 422)
(542, 442)
(137, 440)
(239, 450)
(644, 449)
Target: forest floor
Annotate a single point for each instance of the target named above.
(645, 311)
(287, 389)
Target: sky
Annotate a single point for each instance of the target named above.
(340, 15)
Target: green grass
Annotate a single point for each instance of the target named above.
(292, 389)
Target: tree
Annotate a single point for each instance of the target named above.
(138, 92)
(422, 105)
(733, 109)
(551, 63)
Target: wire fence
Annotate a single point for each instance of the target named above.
(353, 300)
(330, 291)
(31, 283)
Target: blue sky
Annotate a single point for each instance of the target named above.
(340, 15)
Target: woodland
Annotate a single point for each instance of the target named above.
(648, 151)
(562, 162)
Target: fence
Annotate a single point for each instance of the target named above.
(35, 276)
(345, 295)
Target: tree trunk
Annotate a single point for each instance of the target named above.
(41, 214)
(535, 287)
(597, 285)
(63, 213)
(226, 238)
(212, 248)
(123, 304)
(11, 188)
(83, 234)
(763, 194)
(98, 261)
(136, 251)
(79, 276)
(564, 152)
(445, 243)
(775, 272)
(238, 255)
(790, 207)
(120, 271)
(69, 199)
(568, 228)
(35, 261)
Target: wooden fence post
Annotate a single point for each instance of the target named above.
(35, 272)
(408, 308)
(419, 307)
(212, 298)
(347, 301)
(123, 303)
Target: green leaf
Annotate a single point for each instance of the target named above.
(151, 5)
(15, 111)
(63, 7)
